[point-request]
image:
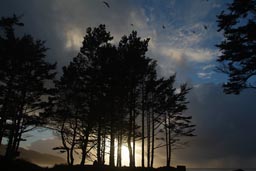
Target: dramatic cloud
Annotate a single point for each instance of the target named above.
(63, 24)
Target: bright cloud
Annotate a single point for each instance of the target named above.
(74, 38)
(190, 54)
(205, 75)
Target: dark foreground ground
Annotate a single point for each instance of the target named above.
(21, 165)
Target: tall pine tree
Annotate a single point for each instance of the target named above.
(23, 77)
(238, 58)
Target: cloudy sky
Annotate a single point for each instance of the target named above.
(182, 39)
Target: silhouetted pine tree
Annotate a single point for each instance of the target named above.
(82, 95)
(144, 91)
(238, 24)
(23, 77)
(176, 124)
(133, 49)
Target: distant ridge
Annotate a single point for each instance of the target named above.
(41, 159)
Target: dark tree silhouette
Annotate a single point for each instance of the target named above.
(238, 24)
(162, 104)
(176, 125)
(101, 96)
(133, 50)
(95, 44)
(145, 89)
(82, 96)
(23, 77)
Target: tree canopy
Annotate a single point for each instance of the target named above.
(105, 95)
(24, 74)
(238, 58)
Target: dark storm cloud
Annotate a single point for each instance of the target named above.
(63, 23)
(225, 129)
(41, 21)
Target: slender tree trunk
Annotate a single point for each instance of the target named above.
(17, 134)
(99, 142)
(18, 144)
(8, 152)
(64, 142)
(133, 143)
(84, 146)
(73, 143)
(112, 146)
(120, 141)
(148, 139)
(119, 151)
(142, 133)
(153, 138)
(129, 138)
(166, 142)
(169, 143)
(103, 150)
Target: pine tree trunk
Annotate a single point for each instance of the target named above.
(143, 134)
(64, 142)
(18, 144)
(99, 142)
(169, 144)
(129, 138)
(133, 143)
(166, 142)
(119, 151)
(148, 140)
(84, 146)
(103, 149)
(112, 149)
(16, 136)
(73, 143)
(8, 152)
(152, 139)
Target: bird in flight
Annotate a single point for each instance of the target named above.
(107, 4)
(132, 25)
(205, 27)
(163, 27)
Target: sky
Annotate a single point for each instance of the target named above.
(182, 39)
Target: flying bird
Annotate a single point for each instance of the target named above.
(132, 25)
(107, 4)
(205, 27)
(163, 27)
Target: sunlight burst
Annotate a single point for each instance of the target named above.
(125, 155)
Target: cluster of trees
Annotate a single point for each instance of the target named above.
(111, 95)
(108, 96)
